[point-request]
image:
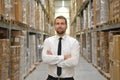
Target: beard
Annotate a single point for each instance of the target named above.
(60, 32)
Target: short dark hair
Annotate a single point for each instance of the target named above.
(61, 17)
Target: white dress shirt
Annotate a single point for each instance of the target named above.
(69, 46)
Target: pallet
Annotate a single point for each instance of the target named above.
(115, 20)
(22, 24)
(6, 21)
(31, 70)
(1, 17)
(106, 75)
(13, 21)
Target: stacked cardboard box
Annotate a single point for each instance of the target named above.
(111, 35)
(97, 48)
(13, 10)
(32, 50)
(101, 11)
(104, 56)
(4, 59)
(15, 37)
(114, 71)
(114, 9)
(88, 47)
(116, 51)
(2, 7)
(9, 9)
(79, 4)
(115, 60)
(73, 8)
(25, 11)
(37, 17)
(15, 62)
(18, 10)
(3, 34)
(94, 57)
(85, 18)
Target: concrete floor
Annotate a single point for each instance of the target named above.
(84, 71)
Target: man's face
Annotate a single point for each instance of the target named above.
(60, 26)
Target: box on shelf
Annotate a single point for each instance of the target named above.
(2, 7)
(111, 48)
(15, 62)
(114, 70)
(116, 46)
(114, 9)
(4, 59)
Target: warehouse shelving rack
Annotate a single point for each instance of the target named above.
(7, 26)
(109, 26)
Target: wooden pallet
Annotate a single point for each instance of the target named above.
(31, 70)
(106, 75)
(13, 21)
(1, 17)
(116, 20)
(6, 21)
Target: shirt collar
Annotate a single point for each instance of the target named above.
(59, 37)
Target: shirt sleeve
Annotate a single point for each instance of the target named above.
(50, 59)
(73, 61)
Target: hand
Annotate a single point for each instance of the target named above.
(67, 56)
(49, 52)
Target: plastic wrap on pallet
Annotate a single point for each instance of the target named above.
(31, 11)
(9, 9)
(78, 24)
(25, 11)
(88, 46)
(43, 3)
(104, 11)
(40, 27)
(33, 14)
(95, 58)
(96, 9)
(89, 16)
(37, 17)
(84, 0)
(32, 50)
(85, 19)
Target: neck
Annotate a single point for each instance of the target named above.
(60, 35)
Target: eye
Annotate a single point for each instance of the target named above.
(62, 23)
(57, 23)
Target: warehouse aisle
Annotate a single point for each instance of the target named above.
(84, 71)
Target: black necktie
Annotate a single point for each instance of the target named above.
(59, 69)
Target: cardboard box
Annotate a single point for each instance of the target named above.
(116, 46)
(4, 59)
(115, 71)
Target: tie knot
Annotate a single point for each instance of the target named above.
(60, 38)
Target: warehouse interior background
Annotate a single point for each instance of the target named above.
(62, 8)
(25, 24)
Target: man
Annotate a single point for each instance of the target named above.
(60, 52)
